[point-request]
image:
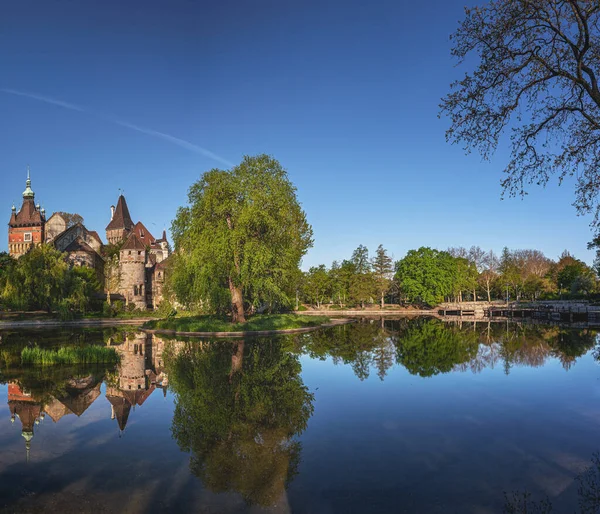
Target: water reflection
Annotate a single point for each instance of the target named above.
(428, 347)
(240, 409)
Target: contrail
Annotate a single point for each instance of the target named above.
(154, 133)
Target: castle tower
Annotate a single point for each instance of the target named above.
(133, 271)
(120, 225)
(26, 227)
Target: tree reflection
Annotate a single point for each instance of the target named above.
(428, 347)
(360, 345)
(238, 408)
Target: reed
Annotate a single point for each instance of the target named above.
(86, 355)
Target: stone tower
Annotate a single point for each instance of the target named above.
(133, 272)
(26, 227)
(120, 225)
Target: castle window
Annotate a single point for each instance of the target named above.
(139, 252)
(129, 252)
(135, 290)
(27, 237)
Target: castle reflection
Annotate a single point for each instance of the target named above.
(44, 392)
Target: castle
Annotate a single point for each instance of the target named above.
(139, 276)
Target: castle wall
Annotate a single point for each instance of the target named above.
(54, 226)
(23, 239)
(116, 236)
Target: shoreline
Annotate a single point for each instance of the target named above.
(250, 333)
(101, 322)
(138, 322)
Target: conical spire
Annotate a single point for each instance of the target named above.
(121, 219)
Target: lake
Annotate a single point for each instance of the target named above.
(376, 416)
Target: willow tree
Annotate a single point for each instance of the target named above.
(242, 236)
(536, 74)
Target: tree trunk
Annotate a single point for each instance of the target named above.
(237, 360)
(488, 292)
(237, 303)
(474, 295)
(382, 301)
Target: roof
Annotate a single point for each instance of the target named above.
(57, 215)
(163, 264)
(121, 219)
(28, 215)
(133, 243)
(121, 408)
(143, 233)
(79, 245)
(95, 235)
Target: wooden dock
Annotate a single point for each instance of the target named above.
(561, 312)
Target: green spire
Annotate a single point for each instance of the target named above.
(28, 193)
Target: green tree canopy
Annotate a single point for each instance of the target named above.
(44, 279)
(426, 275)
(383, 270)
(241, 238)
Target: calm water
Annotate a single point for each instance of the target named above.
(406, 416)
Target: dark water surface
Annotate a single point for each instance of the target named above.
(401, 416)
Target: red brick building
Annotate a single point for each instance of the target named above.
(26, 227)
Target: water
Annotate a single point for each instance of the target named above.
(401, 416)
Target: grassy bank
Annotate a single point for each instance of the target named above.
(222, 324)
(85, 355)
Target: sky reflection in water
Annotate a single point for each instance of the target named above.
(405, 416)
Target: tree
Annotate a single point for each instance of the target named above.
(44, 279)
(242, 236)
(317, 284)
(383, 269)
(363, 287)
(426, 275)
(341, 278)
(112, 275)
(491, 264)
(6, 266)
(360, 259)
(538, 57)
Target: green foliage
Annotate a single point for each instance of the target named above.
(223, 324)
(383, 270)
(68, 355)
(360, 260)
(317, 285)
(243, 232)
(44, 279)
(426, 276)
(239, 408)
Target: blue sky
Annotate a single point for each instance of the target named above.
(147, 95)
